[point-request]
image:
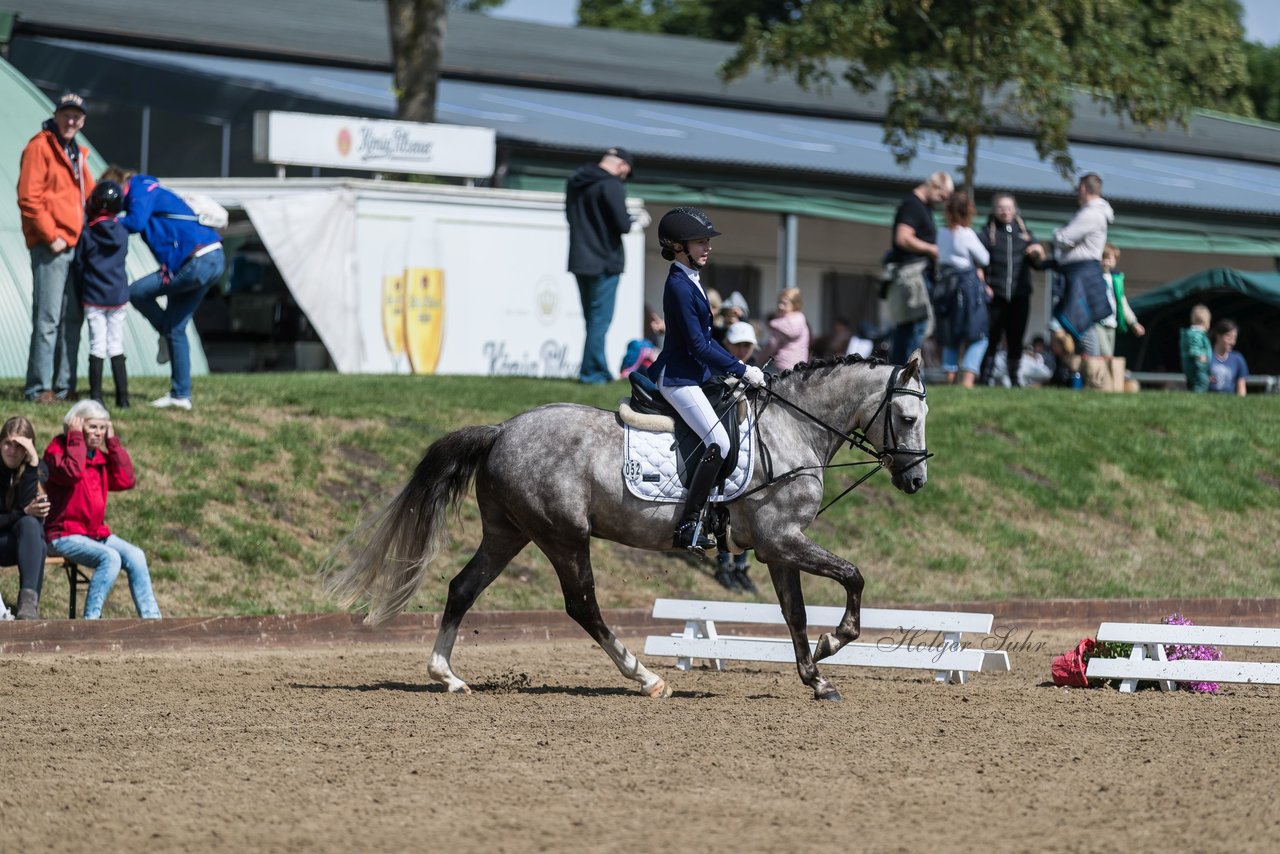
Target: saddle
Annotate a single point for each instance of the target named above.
(648, 410)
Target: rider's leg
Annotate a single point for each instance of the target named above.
(696, 411)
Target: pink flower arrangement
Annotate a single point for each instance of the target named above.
(1186, 651)
(1069, 668)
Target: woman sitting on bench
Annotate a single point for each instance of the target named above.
(85, 463)
(23, 506)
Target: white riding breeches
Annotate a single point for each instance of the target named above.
(106, 330)
(696, 411)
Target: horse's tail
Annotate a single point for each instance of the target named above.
(384, 561)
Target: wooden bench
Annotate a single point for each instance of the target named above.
(1148, 660)
(924, 640)
(76, 578)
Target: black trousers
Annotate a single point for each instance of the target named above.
(1007, 319)
(23, 544)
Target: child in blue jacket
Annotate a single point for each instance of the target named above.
(103, 287)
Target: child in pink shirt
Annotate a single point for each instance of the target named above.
(788, 343)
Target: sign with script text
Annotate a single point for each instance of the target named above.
(341, 142)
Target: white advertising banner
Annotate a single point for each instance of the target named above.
(375, 145)
(434, 281)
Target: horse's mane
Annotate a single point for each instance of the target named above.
(806, 369)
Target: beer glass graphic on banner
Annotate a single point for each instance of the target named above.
(424, 317)
(393, 317)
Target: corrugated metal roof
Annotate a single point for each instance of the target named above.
(687, 133)
(25, 108)
(354, 33)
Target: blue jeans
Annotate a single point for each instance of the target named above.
(907, 338)
(56, 318)
(598, 296)
(972, 361)
(106, 557)
(185, 291)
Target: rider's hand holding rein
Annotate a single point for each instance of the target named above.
(753, 376)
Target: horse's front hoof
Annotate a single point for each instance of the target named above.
(460, 688)
(827, 646)
(660, 690)
(824, 690)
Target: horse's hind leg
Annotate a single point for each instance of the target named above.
(497, 548)
(573, 564)
(786, 581)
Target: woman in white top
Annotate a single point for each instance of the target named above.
(960, 297)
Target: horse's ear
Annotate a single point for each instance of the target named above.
(911, 369)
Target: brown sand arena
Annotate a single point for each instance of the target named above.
(350, 749)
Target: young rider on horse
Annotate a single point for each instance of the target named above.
(690, 355)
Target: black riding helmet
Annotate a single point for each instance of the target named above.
(682, 224)
(106, 197)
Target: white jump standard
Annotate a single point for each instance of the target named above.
(1148, 661)
(922, 640)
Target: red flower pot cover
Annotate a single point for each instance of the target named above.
(1069, 668)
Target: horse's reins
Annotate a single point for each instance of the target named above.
(856, 439)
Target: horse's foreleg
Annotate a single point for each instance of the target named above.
(805, 555)
(786, 581)
(573, 565)
(495, 552)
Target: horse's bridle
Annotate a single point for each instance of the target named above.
(890, 456)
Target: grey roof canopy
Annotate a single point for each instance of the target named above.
(353, 33)
(694, 133)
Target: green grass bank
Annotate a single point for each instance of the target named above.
(1037, 493)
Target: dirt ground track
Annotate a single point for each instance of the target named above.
(351, 749)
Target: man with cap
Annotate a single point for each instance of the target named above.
(595, 202)
(53, 183)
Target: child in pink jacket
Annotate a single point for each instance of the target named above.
(788, 343)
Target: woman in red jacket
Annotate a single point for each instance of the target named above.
(85, 463)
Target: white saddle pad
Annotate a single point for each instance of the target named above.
(650, 470)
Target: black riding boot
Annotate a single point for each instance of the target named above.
(704, 477)
(95, 378)
(121, 378)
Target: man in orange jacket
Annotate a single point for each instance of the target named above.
(53, 184)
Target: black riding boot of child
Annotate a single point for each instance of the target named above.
(687, 535)
(95, 378)
(121, 378)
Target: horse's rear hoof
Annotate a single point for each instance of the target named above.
(460, 688)
(832, 694)
(826, 646)
(660, 691)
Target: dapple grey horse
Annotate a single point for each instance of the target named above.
(553, 476)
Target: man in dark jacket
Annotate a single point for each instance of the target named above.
(595, 202)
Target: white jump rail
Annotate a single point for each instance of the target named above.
(1148, 662)
(924, 640)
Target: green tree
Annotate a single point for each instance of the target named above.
(723, 20)
(1264, 80)
(969, 70)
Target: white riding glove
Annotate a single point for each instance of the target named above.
(753, 376)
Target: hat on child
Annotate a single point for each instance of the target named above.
(741, 333)
(738, 301)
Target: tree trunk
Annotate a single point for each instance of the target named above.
(417, 47)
